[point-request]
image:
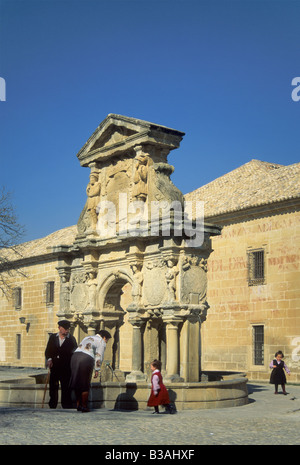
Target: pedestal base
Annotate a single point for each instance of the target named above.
(135, 377)
(173, 379)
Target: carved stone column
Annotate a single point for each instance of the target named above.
(190, 349)
(91, 328)
(172, 350)
(163, 352)
(137, 352)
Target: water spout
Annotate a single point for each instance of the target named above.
(107, 364)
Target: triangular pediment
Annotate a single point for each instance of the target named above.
(117, 134)
(111, 136)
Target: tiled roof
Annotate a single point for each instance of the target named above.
(41, 246)
(253, 184)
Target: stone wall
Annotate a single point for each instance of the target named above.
(236, 307)
(40, 316)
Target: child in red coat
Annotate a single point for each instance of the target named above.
(159, 394)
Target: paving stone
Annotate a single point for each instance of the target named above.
(267, 417)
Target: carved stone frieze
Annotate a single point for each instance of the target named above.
(93, 191)
(171, 278)
(194, 280)
(79, 292)
(137, 287)
(140, 177)
(155, 285)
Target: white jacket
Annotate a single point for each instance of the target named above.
(95, 347)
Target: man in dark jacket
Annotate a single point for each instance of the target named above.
(58, 353)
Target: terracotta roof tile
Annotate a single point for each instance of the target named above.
(41, 246)
(255, 183)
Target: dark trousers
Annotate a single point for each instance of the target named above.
(60, 375)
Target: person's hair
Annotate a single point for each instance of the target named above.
(156, 364)
(279, 353)
(103, 333)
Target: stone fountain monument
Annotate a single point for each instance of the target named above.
(138, 267)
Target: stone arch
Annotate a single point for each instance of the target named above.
(113, 279)
(114, 296)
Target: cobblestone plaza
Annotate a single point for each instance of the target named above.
(266, 420)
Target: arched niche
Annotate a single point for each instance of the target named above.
(114, 297)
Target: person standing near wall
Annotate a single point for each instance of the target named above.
(58, 353)
(277, 375)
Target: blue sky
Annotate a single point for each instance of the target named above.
(220, 71)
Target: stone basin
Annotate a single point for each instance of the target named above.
(216, 390)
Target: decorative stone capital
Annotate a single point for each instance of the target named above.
(137, 322)
(172, 323)
(90, 265)
(64, 273)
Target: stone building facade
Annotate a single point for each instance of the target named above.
(254, 270)
(28, 312)
(227, 304)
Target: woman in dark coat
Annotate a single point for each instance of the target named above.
(278, 375)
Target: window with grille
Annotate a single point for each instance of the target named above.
(18, 346)
(50, 293)
(17, 297)
(258, 345)
(256, 267)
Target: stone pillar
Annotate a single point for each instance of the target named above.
(172, 350)
(137, 352)
(91, 330)
(163, 353)
(190, 349)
